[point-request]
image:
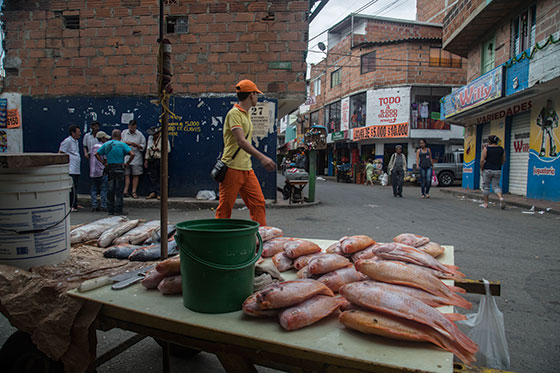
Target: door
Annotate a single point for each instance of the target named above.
(486, 129)
(519, 154)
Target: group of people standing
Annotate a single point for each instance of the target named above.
(115, 164)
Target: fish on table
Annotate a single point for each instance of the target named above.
(93, 230)
(107, 238)
(153, 252)
(156, 234)
(327, 263)
(352, 244)
(289, 293)
(139, 234)
(121, 251)
(411, 239)
(309, 311)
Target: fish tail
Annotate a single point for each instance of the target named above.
(459, 301)
(456, 289)
(454, 270)
(454, 316)
(448, 344)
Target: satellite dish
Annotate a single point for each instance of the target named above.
(322, 46)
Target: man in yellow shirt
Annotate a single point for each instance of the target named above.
(240, 177)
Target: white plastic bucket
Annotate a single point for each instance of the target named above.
(32, 199)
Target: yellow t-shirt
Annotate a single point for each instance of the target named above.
(237, 118)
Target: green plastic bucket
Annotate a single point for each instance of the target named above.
(218, 259)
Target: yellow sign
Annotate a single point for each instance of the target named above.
(545, 129)
(470, 144)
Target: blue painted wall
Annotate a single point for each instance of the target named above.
(194, 149)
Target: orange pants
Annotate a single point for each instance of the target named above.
(246, 184)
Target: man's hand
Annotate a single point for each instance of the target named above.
(268, 163)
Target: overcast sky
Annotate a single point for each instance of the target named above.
(337, 10)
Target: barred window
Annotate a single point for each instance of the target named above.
(336, 78)
(367, 63)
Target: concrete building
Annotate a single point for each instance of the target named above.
(513, 52)
(379, 85)
(75, 61)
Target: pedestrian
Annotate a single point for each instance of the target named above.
(152, 162)
(240, 177)
(71, 146)
(424, 164)
(115, 152)
(136, 140)
(369, 169)
(90, 138)
(97, 174)
(397, 169)
(491, 161)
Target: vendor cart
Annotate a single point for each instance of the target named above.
(296, 180)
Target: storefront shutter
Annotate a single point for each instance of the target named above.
(484, 140)
(519, 154)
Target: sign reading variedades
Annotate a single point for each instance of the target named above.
(483, 89)
(388, 106)
(384, 131)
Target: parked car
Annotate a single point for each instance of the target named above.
(449, 170)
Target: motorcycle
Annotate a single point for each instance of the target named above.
(344, 172)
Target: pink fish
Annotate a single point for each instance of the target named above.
(354, 244)
(282, 262)
(432, 248)
(327, 263)
(288, 293)
(274, 246)
(308, 312)
(402, 305)
(367, 253)
(411, 239)
(268, 233)
(335, 280)
(251, 308)
(302, 261)
(297, 248)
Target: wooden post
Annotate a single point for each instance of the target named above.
(164, 134)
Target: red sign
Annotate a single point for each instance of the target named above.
(384, 131)
(12, 118)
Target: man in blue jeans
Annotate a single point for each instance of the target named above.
(114, 152)
(97, 174)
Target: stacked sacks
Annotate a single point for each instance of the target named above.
(297, 303)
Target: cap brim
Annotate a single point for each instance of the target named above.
(259, 91)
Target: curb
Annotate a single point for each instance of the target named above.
(85, 200)
(495, 199)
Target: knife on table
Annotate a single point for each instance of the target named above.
(119, 281)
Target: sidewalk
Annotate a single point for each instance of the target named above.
(511, 200)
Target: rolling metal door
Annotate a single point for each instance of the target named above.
(484, 140)
(519, 154)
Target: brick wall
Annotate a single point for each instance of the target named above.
(433, 10)
(114, 50)
(398, 63)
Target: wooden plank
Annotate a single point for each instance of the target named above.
(233, 363)
(477, 286)
(26, 160)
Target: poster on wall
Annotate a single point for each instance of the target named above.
(544, 152)
(470, 150)
(262, 117)
(3, 112)
(345, 114)
(3, 142)
(388, 106)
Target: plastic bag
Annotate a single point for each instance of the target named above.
(486, 329)
(434, 179)
(206, 195)
(384, 179)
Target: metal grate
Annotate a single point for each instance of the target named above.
(72, 22)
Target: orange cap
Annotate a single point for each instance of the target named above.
(246, 85)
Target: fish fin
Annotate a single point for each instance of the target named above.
(454, 316)
(459, 301)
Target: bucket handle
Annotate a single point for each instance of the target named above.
(226, 267)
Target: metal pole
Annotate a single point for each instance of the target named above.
(164, 139)
(312, 174)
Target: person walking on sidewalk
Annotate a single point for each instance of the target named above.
(368, 170)
(424, 164)
(397, 169)
(115, 151)
(240, 177)
(136, 140)
(97, 174)
(491, 161)
(71, 146)
(153, 159)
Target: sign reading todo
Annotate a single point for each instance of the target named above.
(384, 131)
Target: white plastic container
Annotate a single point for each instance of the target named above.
(32, 199)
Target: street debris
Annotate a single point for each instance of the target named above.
(208, 195)
(319, 178)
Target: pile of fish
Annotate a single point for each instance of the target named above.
(388, 289)
(166, 277)
(297, 303)
(126, 239)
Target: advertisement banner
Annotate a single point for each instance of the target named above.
(544, 152)
(483, 89)
(388, 106)
(470, 150)
(384, 131)
(345, 114)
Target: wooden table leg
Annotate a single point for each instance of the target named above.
(92, 338)
(166, 356)
(233, 363)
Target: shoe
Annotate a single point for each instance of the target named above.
(125, 195)
(151, 196)
(423, 196)
(395, 195)
(74, 209)
(134, 195)
(400, 195)
(483, 205)
(427, 196)
(502, 204)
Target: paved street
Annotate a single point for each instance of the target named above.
(518, 249)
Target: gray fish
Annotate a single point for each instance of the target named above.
(93, 230)
(152, 252)
(107, 238)
(121, 251)
(156, 235)
(139, 234)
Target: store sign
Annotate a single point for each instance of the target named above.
(383, 131)
(521, 142)
(340, 135)
(388, 106)
(345, 113)
(506, 112)
(483, 89)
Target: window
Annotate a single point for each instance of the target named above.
(317, 86)
(487, 56)
(358, 110)
(332, 114)
(523, 29)
(441, 58)
(71, 22)
(367, 63)
(177, 25)
(336, 78)
(315, 118)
